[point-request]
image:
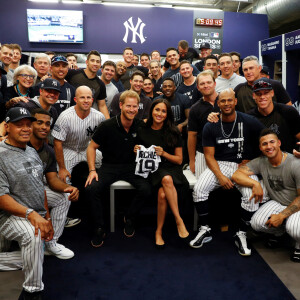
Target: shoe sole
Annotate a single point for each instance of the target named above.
(97, 246)
(205, 240)
(128, 235)
(58, 256)
(240, 253)
(73, 224)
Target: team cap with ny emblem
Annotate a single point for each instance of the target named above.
(50, 84)
(18, 113)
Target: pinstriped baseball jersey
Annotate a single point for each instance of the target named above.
(75, 132)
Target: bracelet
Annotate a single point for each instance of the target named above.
(92, 171)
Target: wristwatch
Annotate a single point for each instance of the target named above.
(28, 211)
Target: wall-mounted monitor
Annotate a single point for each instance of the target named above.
(55, 26)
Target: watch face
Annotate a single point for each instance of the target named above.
(209, 22)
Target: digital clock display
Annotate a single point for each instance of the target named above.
(209, 22)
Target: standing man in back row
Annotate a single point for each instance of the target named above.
(244, 94)
(88, 77)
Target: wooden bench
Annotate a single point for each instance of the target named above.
(124, 185)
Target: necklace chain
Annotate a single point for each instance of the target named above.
(227, 136)
(19, 92)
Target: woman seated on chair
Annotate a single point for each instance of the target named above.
(161, 132)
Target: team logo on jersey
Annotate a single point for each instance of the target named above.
(30, 169)
(56, 128)
(134, 29)
(90, 131)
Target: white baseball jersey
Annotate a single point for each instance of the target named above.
(146, 161)
(76, 133)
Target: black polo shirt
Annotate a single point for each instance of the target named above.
(198, 118)
(244, 95)
(115, 143)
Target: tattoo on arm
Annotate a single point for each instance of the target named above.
(245, 169)
(292, 208)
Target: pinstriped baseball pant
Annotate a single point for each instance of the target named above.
(292, 225)
(59, 206)
(208, 182)
(31, 255)
(200, 164)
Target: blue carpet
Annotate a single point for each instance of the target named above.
(134, 269)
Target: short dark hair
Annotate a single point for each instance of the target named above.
(184, 62)
(172, 49)
(50, 53)
(154, 51)
(93, 52)
(211, 57)
(127, 48)
(144, 54)
(225, 54)
(71, 54)
(40, 111)
(140, 73)
(169, 78)
(183, 44)
(109, 63)
(236, 54)
(267, 131)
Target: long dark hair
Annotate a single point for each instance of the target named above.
(171, 132)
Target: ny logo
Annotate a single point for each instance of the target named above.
(129, 26)
(23, 111)
(90, 131)
(54, 83)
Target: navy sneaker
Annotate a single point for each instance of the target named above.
(203, 236)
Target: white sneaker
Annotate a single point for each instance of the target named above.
(203, 236)
(70, 222)
(241, 243)
(58, 250)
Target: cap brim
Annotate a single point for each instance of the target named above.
(260, 89)
(50, 88)
(22, 117)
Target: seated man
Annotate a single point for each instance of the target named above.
(24, 215)
(226, 144)
(116, 139)
(73, 132)
(56, 189)
(281, 176)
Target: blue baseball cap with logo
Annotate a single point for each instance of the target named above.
(50, 84)
(18, 113)
(59, 58)
(262, 84)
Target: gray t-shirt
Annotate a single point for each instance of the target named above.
(232, 82)
(282, 181)
(21, 177)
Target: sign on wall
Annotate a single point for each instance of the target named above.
(272, 45)
(292, 40)
(208, 28)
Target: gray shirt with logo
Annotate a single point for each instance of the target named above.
(282, 181)
(21, 177)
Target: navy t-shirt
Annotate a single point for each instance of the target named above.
(187, 90)
(242, 143)
(178, 105)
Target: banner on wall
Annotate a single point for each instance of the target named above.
(208, 28)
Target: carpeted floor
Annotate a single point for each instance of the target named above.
(133, 268)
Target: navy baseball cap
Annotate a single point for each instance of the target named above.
(262, 84)
(204, 45)
(50, 84)
(18, 113)
(2, 68)
(265, 70)
(58, 58)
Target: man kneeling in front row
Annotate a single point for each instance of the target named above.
(281, 175)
